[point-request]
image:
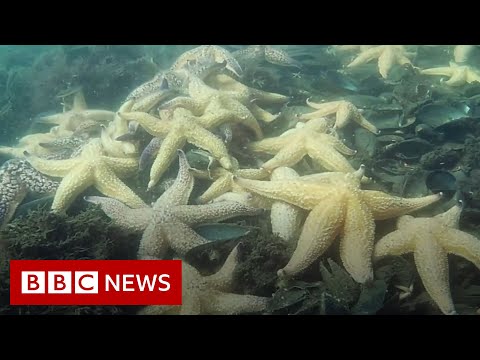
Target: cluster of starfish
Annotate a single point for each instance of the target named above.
(388, 56)
(200, 94)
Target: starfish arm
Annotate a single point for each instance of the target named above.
(367, 56)
(458, 78)
(123, 167)
(356, 240)
(451, 218)
(147, 102)
(384, 206)
(222, 280)
(166, 154)
(72, 185)
(472, 76)
(134, 220)
(319, 125)
(262, 114)
(181, 237)
(221, 55)
(254, 174)
(195, 106)
(205, 140)
(396, 243)
(110, 185)
(220, 186)
(403, 60)
(386, 61)
(338, 145)
(462, 244)
(153, 244)
(179, 192)
(79, 103)
(120, 124)
(296, 192)
(99, 115)
(218, 211)
(219, 303)
(149, 153)
(286, 220)
(290, 155)
(346, 112)
(327, 156)
(280, 57)
(242, 115)
(322, 110)
(432, 266)
(151, 124)
(264, 97)
(192, 304)
(271, 145)
(110, 146)
(319, 231)
(441, 71)
(55, 168)
(10, 197)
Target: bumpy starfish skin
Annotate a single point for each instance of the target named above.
(285, 218)
(71, 119)
(459, 75)
(175, 133)
(308, 139)
(205, 53)
(431, 240)
(345, 112)
(91, 167)
(168, 223)
(337, 207)
(254, 54)
(17, 179)
(387, 55)
(210, 295)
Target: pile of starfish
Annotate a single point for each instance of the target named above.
(200, 94)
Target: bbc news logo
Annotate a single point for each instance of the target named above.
(95, 282)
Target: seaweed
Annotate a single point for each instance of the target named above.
(42, 235)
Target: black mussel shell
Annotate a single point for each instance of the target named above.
(442, 181)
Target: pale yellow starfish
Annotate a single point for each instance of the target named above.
(337, 206)
(176, 132)
(79, 113)
(167, 224)
(91, 167)
(387, 55)
(306, 139)
(345, 112)
(211, 295)
(431, 240)
(459, 75)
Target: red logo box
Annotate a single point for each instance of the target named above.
(95, 282)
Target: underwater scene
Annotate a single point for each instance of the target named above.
(289, 179)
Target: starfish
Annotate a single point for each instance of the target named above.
(91, 167)
(211, 295)
(461, 53)
(175, 133)
(431, 240)
(167, 224)
(223, 180)
(306, 139)
(387, 55)
(338, 206)
(202, 54)
(459, 75)
(254, 54)
(18, 178)
(79, 113)
(345, 112)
